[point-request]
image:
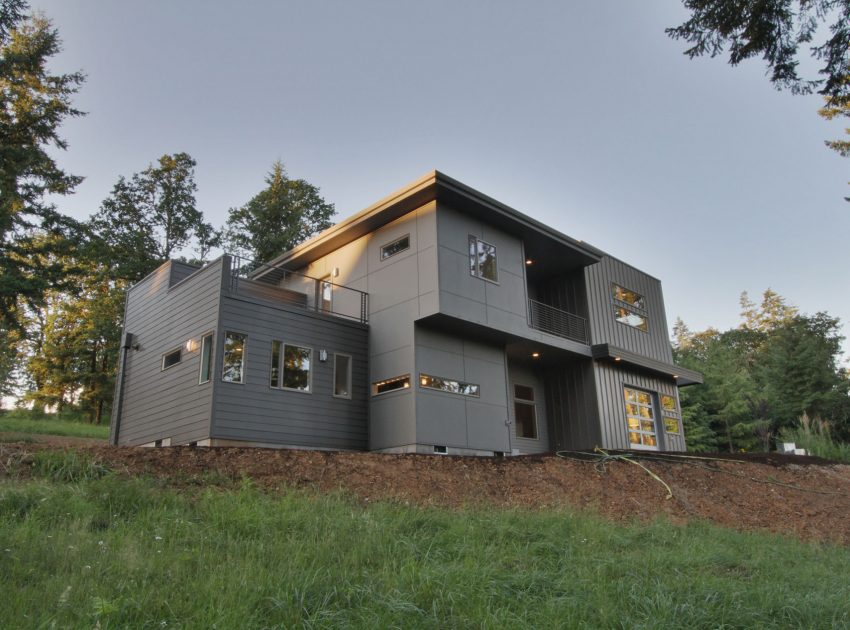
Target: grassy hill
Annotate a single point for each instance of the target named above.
(83, 547)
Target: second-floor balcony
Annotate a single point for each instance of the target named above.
(282, 286)
(554, 321)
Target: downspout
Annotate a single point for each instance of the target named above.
(118, 402)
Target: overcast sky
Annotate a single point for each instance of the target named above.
(584, 115)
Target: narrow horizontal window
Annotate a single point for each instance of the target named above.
(397, 246)
(206, 359)
(391, 384)
(671, 425)
(449, 385)
(172, 358)
(233, 365)
(342, 376)
(482, 259)
(297, 362)
(621, 294)
(630, 318)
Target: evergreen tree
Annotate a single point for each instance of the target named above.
(33, 104)
(286, 213)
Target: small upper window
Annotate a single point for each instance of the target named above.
(233, 365)
(668, 403)
(672, 425)
(171, 359)
(398, 245)
(482, 259)
(628, 296)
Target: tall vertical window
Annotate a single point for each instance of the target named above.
(206, 359)
(640, 416)
(233, 366)
(297, 362)
(525, 412)
(482, 259)
(274, 381)
(342, 376)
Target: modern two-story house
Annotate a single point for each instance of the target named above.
(437, 320)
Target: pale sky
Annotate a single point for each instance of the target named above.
(585, 116)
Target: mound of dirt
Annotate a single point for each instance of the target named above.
(799, 496)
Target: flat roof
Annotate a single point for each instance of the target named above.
(440, 187)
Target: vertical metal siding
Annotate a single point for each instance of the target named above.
(571, 406)
(605, 329)
(610, 381)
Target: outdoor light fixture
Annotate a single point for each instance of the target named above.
(323, 355)
(528, 261)
(192, 345)
(618, 358)
(535, 354)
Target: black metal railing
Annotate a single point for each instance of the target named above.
(277, 283)
(554, 321)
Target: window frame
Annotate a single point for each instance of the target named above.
(399, 378)
(282, 369)
(204, 338)
(242, 367)
(179, 351)
(460, 384)
(674, 414)
(348, 375)
(637, 307)
(527, 402)
(654, 406)
(474, 268)
(393, 242)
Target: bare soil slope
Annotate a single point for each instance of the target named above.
(799, 496)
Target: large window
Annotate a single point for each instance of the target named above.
(449, 385)
(525, 412)
(391, 384)
(629, 307)
(342, 376)
(398, 245)
(482, 260)
(206, 359)
(233, 365)
(297, 362)
(640, 415)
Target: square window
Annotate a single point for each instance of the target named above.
(671, 425)
(668, 403)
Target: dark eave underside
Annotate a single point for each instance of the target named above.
(683, 376)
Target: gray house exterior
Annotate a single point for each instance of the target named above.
(437, 320)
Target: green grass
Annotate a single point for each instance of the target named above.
(818, 443)
(27, 422)
(113, 552)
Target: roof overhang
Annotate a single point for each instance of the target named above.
(435, 186)
(682, 376)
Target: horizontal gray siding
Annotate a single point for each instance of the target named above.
(610, 381)
(255, 412)
(161, 404)
(180, 271)
(572, 406)
(605, 329)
